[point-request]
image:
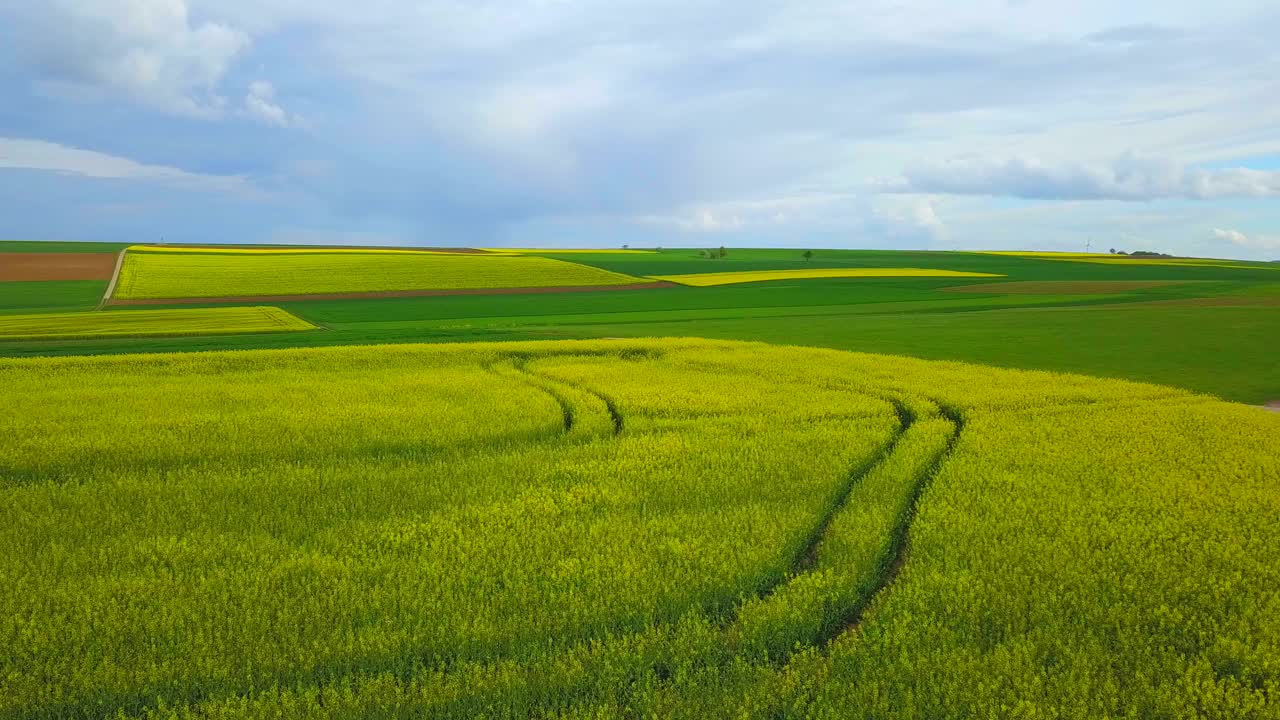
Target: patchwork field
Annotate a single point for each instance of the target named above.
(732, 278)
(144, 323)
(626, 528)
(160, 273)
(1205, 328)
(675, 529)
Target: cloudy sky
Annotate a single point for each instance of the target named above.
(1150, 124)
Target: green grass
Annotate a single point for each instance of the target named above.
(51, 246)
(1228, 352)
(154, 273)
(50, 295)
(147, 323)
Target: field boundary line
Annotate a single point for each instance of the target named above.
(115, 277)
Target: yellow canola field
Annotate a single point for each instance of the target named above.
(569, 251)
(147, 323)
(1109, 259)
(310, 250)
(1042, 254)
(1172, 262)
(683, 529)
(746, 276)
(160, 273)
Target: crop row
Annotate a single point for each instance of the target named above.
(144, 323)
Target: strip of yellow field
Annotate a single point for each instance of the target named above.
(157, 273)
(731, 278)
(1109, 259)
(1171, 262)
(567, 251)
(147, 323)
(228, 250)
(1041, 254)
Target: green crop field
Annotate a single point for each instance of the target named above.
(28, 246)
(150, 273)
(50, 295)
(143, 323)
(630, 528)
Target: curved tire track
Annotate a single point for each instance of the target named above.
(900, 537)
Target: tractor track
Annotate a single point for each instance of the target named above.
(804, 561)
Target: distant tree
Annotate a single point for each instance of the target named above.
(703, 253)
(628, 247)
(1113, 250)
(723, 252)
(808, 255)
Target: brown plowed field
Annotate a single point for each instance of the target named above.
(56, 266)
(391, 294)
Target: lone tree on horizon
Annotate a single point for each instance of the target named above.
(808, 255)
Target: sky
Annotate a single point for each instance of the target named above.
(924, 124)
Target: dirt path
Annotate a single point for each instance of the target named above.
(115, 277)
(247, 299)
(56, 266)
(1273, 406)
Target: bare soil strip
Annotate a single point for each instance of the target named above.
(1273, 406)
(115, 277)
(256, 299)
(56, 266)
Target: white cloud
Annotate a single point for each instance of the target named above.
(1129, 177)
(807, 207)
(478, 118)
(913, 220)
(147, 51)
(1254, 242)
(25, 154)
(260, 104)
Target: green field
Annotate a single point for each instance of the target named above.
(150, 273)
(672, 529)
(50, 296)
(145, 323)
(28, 246)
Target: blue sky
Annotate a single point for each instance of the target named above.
(884, 123)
